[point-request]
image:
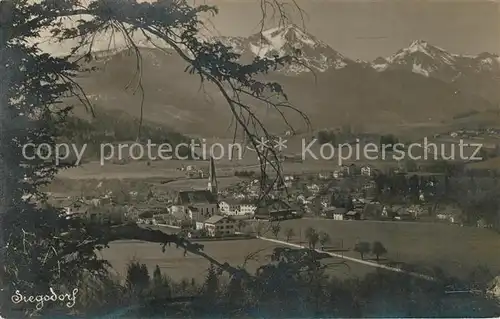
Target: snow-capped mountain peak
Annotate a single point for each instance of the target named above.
(289, 40)
(421, 52)
(289, 35)
(420, 57)
(419, 45)
(282, 41)
(429, 60)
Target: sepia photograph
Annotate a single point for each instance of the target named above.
(249, 159)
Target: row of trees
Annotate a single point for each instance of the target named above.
(314, 237)
(364, 248)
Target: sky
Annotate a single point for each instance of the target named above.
(368, 29)
(363, 29)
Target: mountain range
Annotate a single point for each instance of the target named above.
(420, 86)
(419, 57)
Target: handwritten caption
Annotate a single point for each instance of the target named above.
(40, 300)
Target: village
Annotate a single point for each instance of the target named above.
(350, 193)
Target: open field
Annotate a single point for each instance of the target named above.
(315, 159)
(168, 169)
(174, 264)
(457, 250)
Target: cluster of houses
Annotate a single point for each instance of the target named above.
(200, 210)
(218, 213)
(203, 210)
(349, 170)
(97, 210)
(467, 133)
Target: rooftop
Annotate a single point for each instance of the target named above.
(234, 201)
(195, 197)
(214, 219)
(275, 204)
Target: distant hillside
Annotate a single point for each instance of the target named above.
(172, 97)
(339, 92)
(115, 127)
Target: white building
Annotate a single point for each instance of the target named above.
(289, 180)
(237, 208)
(446, 217)
(338, 174)
(248, 209)
(345, 170)
(335, 213)
(314, 188)
(337, 216)
(220, 226)
(367, 170)
(324, 176)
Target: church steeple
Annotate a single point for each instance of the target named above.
(212, 178)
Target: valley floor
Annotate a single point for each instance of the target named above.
(456, 250)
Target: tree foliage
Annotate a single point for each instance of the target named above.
(289, 233)
(275, 229)
(324, 239)
(378, 249)
(312, 237)
(362, 248)
(41, 247)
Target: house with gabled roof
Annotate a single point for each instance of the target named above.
(275, 209)
(335, 213)
(220, 226)
(196, 205)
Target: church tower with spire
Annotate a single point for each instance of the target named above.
(212, 178)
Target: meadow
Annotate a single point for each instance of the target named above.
(457, 250)
(174, 264)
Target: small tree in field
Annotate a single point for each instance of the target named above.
(275, 229)
(137, 277)
(324, 239)
(378, 249)
(312, 237)
(362, 248)
(289, 233)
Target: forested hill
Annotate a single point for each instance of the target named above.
(115, 127)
